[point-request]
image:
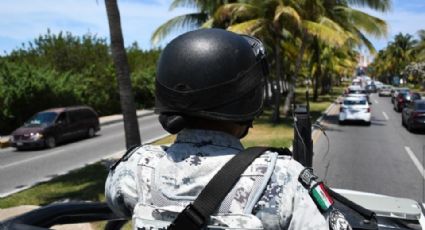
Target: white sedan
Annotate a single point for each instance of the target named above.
(356, 109)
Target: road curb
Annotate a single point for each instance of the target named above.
(320, 119)
(104, 123)
(4, 142)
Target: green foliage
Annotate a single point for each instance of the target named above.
(63, 70)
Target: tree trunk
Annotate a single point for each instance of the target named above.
(131, 125)
(292, 83)
(325, 82)
(318, 71)
(276, 86)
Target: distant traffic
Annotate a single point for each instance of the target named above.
(355, 106)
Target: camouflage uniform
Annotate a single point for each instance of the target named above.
(157, 182)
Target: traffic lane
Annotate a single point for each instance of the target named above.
(21, 174)
(414, 141)
(366, 158)
(148, 130)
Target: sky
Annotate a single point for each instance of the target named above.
(24, 20)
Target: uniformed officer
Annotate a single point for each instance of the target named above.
(209, 89)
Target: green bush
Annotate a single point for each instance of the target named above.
(63, 70)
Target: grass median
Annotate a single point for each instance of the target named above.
(88, 183)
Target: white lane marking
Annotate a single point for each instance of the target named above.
(415, 161)
(33, 158)
(376, 102)
(386, 116)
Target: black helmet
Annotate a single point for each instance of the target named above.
(213, 74)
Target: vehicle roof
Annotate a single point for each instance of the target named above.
(354, 99)
(354, 87)
(356, 95)
(401, 88)
(68, 108)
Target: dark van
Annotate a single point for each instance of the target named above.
(50, 127)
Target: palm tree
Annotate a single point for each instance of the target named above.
(266, 19)
(402, 52)
(420, 47)
(131, 125)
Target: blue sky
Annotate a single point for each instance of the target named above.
(23, 20)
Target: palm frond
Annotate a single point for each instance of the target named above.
(366, 42)
(208, 24)
(287, 11)
(327, 31)
(378, 5)
(251, 27)
(183, 3)
(234, 11)
(182, 22)
(371, 25)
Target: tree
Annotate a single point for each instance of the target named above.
(420, 47)
(131, 125)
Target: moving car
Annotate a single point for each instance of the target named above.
(371, 88)
(403, 99)
(355, 109)
(396, 91)
(52, 126)
(413, 115)
(385, 91)
(400, 101)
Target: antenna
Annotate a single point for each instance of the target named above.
(303, 144)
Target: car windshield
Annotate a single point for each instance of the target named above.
(40, 119)
(358, 91)
(354, 102)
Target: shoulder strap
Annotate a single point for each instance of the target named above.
(195, 216)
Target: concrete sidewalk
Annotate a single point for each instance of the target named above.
(105, 120)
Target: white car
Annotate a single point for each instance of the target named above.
(355, 109)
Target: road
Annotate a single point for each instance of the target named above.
(21, 169)
(383, 158)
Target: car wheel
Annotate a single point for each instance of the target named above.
(50, 142)
(368, 123)
(90, 132)
(402, 122)
(410, 127)
(340, 122)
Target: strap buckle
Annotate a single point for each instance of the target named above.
(189, 218)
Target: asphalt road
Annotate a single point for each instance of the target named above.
(382, 158)
(21, 169)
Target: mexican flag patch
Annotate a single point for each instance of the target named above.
(321, 197)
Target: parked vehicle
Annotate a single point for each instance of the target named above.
(50, 127)
(396, 91)
(413, 115)
(385, 91)
(355, 108)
